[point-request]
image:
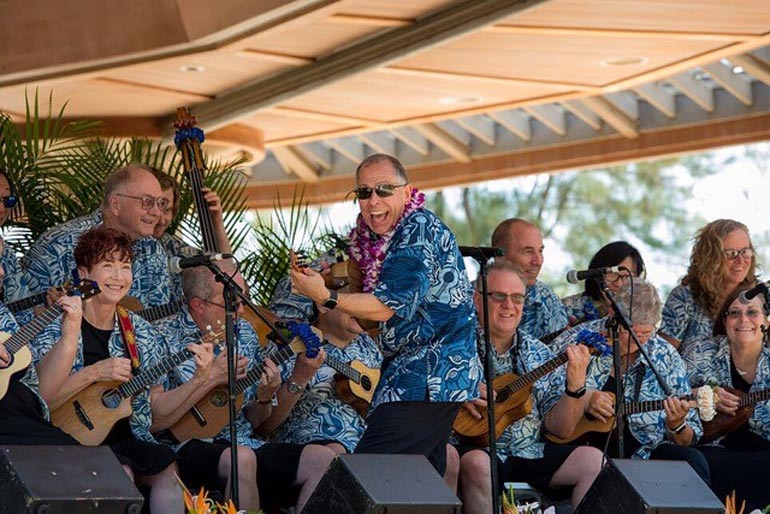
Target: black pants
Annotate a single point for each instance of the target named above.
(420, 428)
(685, 453)
(742, 471)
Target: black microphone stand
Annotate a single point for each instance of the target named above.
(489, 375)
(230, 293)
(619, 319)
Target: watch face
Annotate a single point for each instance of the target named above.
(293, 388)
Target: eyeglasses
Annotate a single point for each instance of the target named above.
(737, 313)
(732, 253)
(516, 298)
(9, 202)
(383, 190)
(148, 201)
(612, 277)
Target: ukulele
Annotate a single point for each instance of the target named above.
(587, 426)
(17, 344)
(90, 414)
(513, 398)
(723, 424)
(211, 413)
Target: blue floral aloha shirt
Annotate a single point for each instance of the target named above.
(523, 438)
(581, 308)
(149, 355)
(543, 312)
(175, 247)
(649, 428)
(687, 322)
(30, 379)
(14, 283)
(717, 372)
(50, 261)
(179, 330)
(429, 344)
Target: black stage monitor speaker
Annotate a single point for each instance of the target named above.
(64, 479)
(627, 486)
(378, 484)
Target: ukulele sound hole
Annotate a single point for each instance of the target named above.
(219, 399)
(366, 383)
(111, 399)
(502, 396)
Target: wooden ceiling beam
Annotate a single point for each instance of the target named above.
(621, 33)
(351, 150)
(694, 89)
(515, 122)
(412, 139)
(379, 142)
(456, 149)
(416, 72)
(292, 160)
(580, 110)
(613, 115)
(572, 155)
(318, 153)
(658, 97)
(454, 21)
(382, 21)
(735, 84)
(480, 126)
(324, 116)
(757, 68)
(549, 115)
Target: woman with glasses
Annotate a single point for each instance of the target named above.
(722, 260)
(739, 360)
(14, 286)
(592, 303)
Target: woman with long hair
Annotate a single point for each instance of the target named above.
(722, 260)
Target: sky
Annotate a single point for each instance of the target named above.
(738, 191)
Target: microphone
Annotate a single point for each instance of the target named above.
(746, 296)
(177, 264)
(574, 276)
(481, 253)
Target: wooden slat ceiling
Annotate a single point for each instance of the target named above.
(484, 88)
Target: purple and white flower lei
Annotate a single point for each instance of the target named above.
(368, 249)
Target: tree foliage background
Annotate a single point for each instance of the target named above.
(643, 203)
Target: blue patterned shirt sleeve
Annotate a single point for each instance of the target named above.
(544, 313)
(319, 414)
(429, 343)
(50, 261)
(149, 354)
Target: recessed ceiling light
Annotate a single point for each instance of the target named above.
(460, 100)
(624, 61)
(192, 68)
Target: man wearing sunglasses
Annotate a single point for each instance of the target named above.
(13, 284)
(132, 204)
(416, 287)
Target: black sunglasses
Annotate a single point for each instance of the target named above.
(9, 202)
(382, 190)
